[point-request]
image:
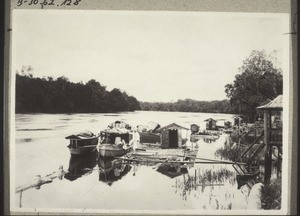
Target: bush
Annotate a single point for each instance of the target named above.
(229, 153)
(271, 195)
(233, 152)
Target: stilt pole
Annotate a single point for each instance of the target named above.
(268, 154)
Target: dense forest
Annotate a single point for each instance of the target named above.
(48, 95)
(189, 105)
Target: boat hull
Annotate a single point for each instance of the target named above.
(82, 150)
(148, 137)
(109, 150)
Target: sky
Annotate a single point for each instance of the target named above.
(154, 56)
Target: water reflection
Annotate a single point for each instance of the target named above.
(203, 178)
(208, 138)
(80, 165)
(111, 170)
(172, 170)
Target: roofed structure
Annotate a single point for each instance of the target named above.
(171, 135)
(210, 119)
(81, 136)
(272, 135)
(275, 104)
(173, 125)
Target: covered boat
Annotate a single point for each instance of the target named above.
(113, 150)
(115, 141)
(82, 143)
(148, 133)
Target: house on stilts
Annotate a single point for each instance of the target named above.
(269, 140)
(273, 135)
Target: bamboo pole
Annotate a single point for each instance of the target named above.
(212, 160)
(183, 162)
(20, 203)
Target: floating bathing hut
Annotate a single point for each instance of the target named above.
(173, 135)
(211, 124)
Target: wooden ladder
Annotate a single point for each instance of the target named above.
(246, 169)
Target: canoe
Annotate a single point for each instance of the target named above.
(112, 150)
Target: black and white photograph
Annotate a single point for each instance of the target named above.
(150, 112)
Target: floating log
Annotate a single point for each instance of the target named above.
(42, 180)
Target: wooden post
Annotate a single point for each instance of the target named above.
(20, 204)
(268, 154)
(279, 161)
(239, 138)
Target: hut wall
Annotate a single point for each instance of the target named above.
(179, 138)
(208, 125)
(165, 139)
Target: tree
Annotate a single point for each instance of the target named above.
(96, 96)
(35, 94)
(116, 101)
(258, 81)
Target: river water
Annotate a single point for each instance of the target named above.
(41, 147)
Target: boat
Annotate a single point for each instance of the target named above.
(115, 141)
(113, 150)
(82, 143)
(149, 133)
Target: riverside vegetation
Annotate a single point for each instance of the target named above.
(257, 82)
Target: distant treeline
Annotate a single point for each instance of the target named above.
(48, 95)
(189, 105)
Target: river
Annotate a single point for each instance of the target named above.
(41, 147)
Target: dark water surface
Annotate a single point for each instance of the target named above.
(95, 183)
